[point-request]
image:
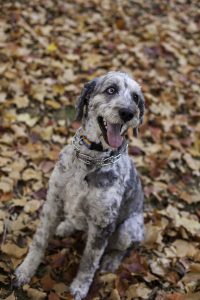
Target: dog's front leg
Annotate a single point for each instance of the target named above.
(48, 223)
(96, 243)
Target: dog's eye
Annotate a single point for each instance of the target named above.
(135, 98)
(111, 90)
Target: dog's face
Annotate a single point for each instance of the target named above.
(112, 104)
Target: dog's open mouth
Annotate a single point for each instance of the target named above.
(111, 132)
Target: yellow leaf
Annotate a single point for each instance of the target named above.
(58, 88)
(53, 104)
(52, 47)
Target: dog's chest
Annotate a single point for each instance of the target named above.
(85, 193)
(76, 190)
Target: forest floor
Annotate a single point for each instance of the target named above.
(48, 49)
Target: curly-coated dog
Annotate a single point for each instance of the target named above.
(95, 185)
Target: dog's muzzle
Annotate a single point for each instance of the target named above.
(126, 114)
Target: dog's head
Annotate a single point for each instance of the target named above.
(110, 105)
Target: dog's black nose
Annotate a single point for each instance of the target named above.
(126, 114)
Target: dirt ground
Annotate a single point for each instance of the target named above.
(48, 49)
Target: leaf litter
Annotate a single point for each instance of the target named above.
(48, 49)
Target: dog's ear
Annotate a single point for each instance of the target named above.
(84, 99)
(141, 106)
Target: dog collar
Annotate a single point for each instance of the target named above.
(89, 160)
(91, 145)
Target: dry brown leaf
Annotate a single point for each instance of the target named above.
(34, 294)
(191, 225)
(27, 119)
(107, 278)
(4, 161)
(6, 184)
(159, 267)
(21, 101)
(32, 206)
(184, 248)
(190, 198)
(193, 274)
(60, 288)
(1, 227)
(11, 297)
(4, 279)
(192, 296)
(2, 215)
(153, 234)
(114, 295)
(18, 202)
(175, 296)
(30, 173)
(138, 290)
(192, 163)
(53, 296)
(13, 250)
(47, 282)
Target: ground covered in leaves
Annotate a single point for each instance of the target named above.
(48, 49)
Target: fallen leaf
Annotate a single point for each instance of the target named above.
(13, 250)
(52, 47)
(192, 163)
(53, 296)
(34, 294)
(114, 295)
(107, 278)
(11, 297)
(32, 206)
(6, 184)
(47, 282)
(138, 290)
(30, 173)
(26, 118)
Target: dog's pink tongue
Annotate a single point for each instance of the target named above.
(113, 134)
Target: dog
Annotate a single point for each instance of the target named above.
(94, 184)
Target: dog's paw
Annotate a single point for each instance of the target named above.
(21, 277)
(78, 290)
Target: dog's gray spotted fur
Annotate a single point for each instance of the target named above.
(106, 201)
(101, 179)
